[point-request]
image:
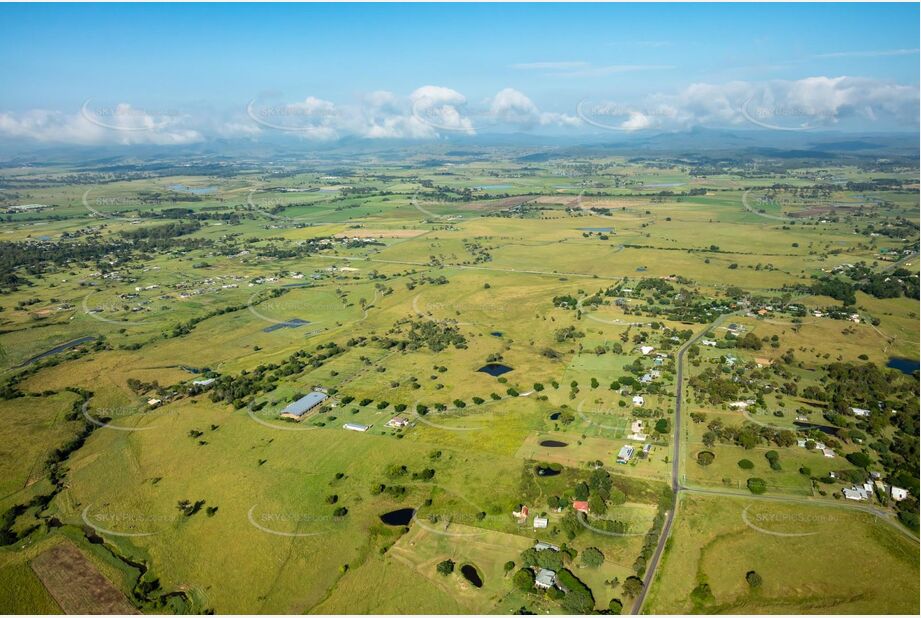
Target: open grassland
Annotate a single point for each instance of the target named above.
(416, 279)
(33, 428)
(716, 541)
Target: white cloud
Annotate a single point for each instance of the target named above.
(812, 102)
(636, 121)
(510, 106)
(440, 108)
(234, 128)
(122, 124)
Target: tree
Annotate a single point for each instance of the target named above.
(750, 342)
(524, 580)
(445, 567)
(509, 566)
(615, 607)
(633, 586)
(579, 598)
(597, 504)
(592, 557)
(753, 579)
(861, 460)
(663, 426)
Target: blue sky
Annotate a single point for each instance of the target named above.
(495, 65)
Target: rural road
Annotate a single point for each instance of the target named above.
(750, 209)
(677, 487)
(676, 461)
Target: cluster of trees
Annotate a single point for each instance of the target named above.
(568, 333)
(35, 258)
(241, 390)
(436, 336)
(713, 386)
(161, 232)
(748, 435)
(899, 282)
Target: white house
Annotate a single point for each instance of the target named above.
(646, 349)
(898, 494)
(638, 400)
(540, 522)
(860, 412)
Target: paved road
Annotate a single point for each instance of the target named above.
(677, 487)
(676, 462)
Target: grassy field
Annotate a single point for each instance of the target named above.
(800, 551)
(368, 257)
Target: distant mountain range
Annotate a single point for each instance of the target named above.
(523, 146)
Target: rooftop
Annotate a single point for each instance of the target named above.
(304, 404)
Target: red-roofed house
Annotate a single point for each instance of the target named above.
(521, 514)
(580, 505)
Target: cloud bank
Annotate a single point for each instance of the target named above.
(432, 111)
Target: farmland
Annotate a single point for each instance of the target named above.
(490, 334)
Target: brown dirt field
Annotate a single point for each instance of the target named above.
(76, 585)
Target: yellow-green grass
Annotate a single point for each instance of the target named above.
(287, 491)
(33, 427)
(816, 572)
(725, 471)
(21, 592)
(582, 451)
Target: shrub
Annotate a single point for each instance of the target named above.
(756, 485)
(753, 579)
(592, 557)
(746, 464)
